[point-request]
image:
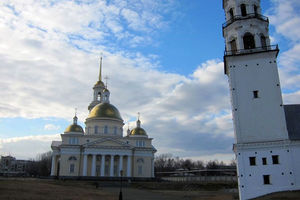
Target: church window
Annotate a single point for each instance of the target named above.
(72, 168)
(266, 179)
(243, 10)
(252, 161)
(89, 129)
(115, 130)
(96, 129)
(264, 161)
(140, 170)
(105, 129)
(72, 158)
(255, 94)
(249, 42)
(73, 140)
(275, 159)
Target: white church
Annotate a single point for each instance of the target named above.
(267, 132)
(101, 151)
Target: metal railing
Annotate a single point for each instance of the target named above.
(248, 16)
(254, 50)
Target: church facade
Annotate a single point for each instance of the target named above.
(267, 132)
(101, 150)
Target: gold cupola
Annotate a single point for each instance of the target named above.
(74, 128)
(138, 130)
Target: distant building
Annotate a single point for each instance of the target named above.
(102, 150)
(9, 166)
(267, 133)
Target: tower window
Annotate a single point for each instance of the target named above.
(275, 159)
(233, 46)
(255, 10)
(266, 179)
(263, 41)
(243, 10)
(255, 94)
(96, 129)
(264, 161)
(115, 130)
(249, 42)
(231, 13)
(252, 161)
(99, 96)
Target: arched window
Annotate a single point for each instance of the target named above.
(72, 158)
(115, 130)
(249, 42)
(99, 96)
(255, 10)
(105, 129)
(263, 41)
(243, 10)
(96, 129)
(233, 46)
(231, 13)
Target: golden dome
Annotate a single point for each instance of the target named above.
(138, 131)
(105, 90)
(74, 128)
(105, 110)
(99, 83)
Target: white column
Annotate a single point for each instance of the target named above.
(102, 165)
(111, 165)
(128, 166)
(84, 165)
(53, 165)
(120, 165)
(152, 166)
(94, 165)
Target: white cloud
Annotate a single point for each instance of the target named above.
(284, 16)
(28, 146)
(51, 127)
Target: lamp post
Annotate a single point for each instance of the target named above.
(120, 195)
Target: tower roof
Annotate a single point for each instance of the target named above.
(100, 82)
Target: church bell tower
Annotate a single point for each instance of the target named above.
(261, 136)
(250, 64)
(99, 90)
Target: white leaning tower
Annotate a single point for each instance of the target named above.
(267, 159)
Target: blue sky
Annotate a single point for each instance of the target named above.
(163, 58)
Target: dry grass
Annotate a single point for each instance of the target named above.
(49, 189)
(36, 189)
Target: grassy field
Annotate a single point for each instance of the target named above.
(37, 189)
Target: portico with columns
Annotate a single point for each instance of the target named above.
(102, 150)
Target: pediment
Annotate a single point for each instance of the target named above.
(108, 142)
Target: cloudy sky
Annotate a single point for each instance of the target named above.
(163, 59)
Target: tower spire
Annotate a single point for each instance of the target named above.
(100, 71)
